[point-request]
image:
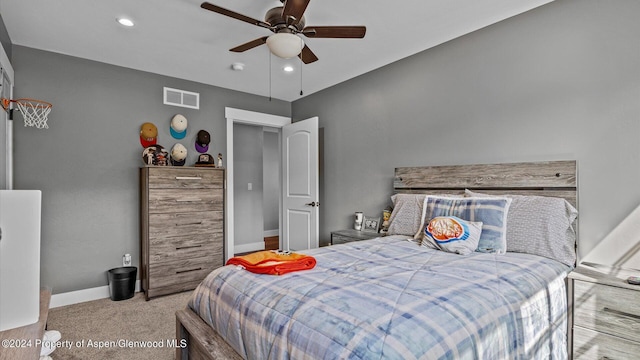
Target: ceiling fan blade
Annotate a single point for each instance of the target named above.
(293, 10)
(307, 56)
(344, 32)
(235, 15)
(250, 45)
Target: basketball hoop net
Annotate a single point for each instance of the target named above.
(34, 112)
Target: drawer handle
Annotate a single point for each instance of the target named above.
(193, 223)
(188, 247)
(188, 200)
(186, 271)
(617, 312)
(188, 178)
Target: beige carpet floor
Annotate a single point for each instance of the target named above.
(129, 329)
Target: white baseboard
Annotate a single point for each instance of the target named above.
(79, 296)
(268, 233)
(256, 246)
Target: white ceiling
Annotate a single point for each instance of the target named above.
(177, 38)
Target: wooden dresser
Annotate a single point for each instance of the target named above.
(606, 313)
(182, 227)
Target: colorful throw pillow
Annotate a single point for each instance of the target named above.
(491, 211)
(452, 234)
(540, 225)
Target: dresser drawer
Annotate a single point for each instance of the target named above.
(186, 247)
(589, 344)
(162, 225)
(191, 200)
(181, 271)
(185, 178)
(607, 309)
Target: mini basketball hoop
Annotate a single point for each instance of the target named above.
(34, 112)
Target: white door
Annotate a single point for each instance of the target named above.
(19, 257)
(300, 185)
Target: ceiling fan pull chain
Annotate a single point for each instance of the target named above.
(269, 54)
(301, 77)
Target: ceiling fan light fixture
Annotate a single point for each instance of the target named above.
(285, 45)
(125, 21)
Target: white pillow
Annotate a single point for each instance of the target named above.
(406, 213)
(452, 234)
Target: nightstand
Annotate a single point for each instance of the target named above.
(349, 235)
(606, 313)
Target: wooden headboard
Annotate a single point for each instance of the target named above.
(549, 178)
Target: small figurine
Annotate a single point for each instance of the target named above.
(386, 215)
(219, 160)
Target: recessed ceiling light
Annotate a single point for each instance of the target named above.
(125, 22)
(288, 68)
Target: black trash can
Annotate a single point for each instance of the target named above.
(122, 282)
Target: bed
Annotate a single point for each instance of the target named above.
(393, 298)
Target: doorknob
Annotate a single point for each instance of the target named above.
(313, 204)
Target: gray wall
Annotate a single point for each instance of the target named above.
(559, 82)
(87, 162)
(271, 181)
(247, 168)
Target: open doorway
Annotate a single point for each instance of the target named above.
(271, 185)
(259, 121)
(257, 188)
(298, 171)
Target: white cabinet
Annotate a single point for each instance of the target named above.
(19, 257)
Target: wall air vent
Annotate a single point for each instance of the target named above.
(181, 98)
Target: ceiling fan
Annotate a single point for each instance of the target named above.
(286, 22)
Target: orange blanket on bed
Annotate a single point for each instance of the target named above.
(273, 262)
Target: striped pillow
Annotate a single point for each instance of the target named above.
(491, 211)
(540, 225)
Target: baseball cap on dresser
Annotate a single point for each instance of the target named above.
(148, 134)
(155, 155)
(205, 159)
(202, 141)
(178, 126)
(178, 154)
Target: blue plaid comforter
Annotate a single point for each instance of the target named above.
(389, 298)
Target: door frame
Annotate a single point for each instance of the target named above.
(240, 116)
(7, 68)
